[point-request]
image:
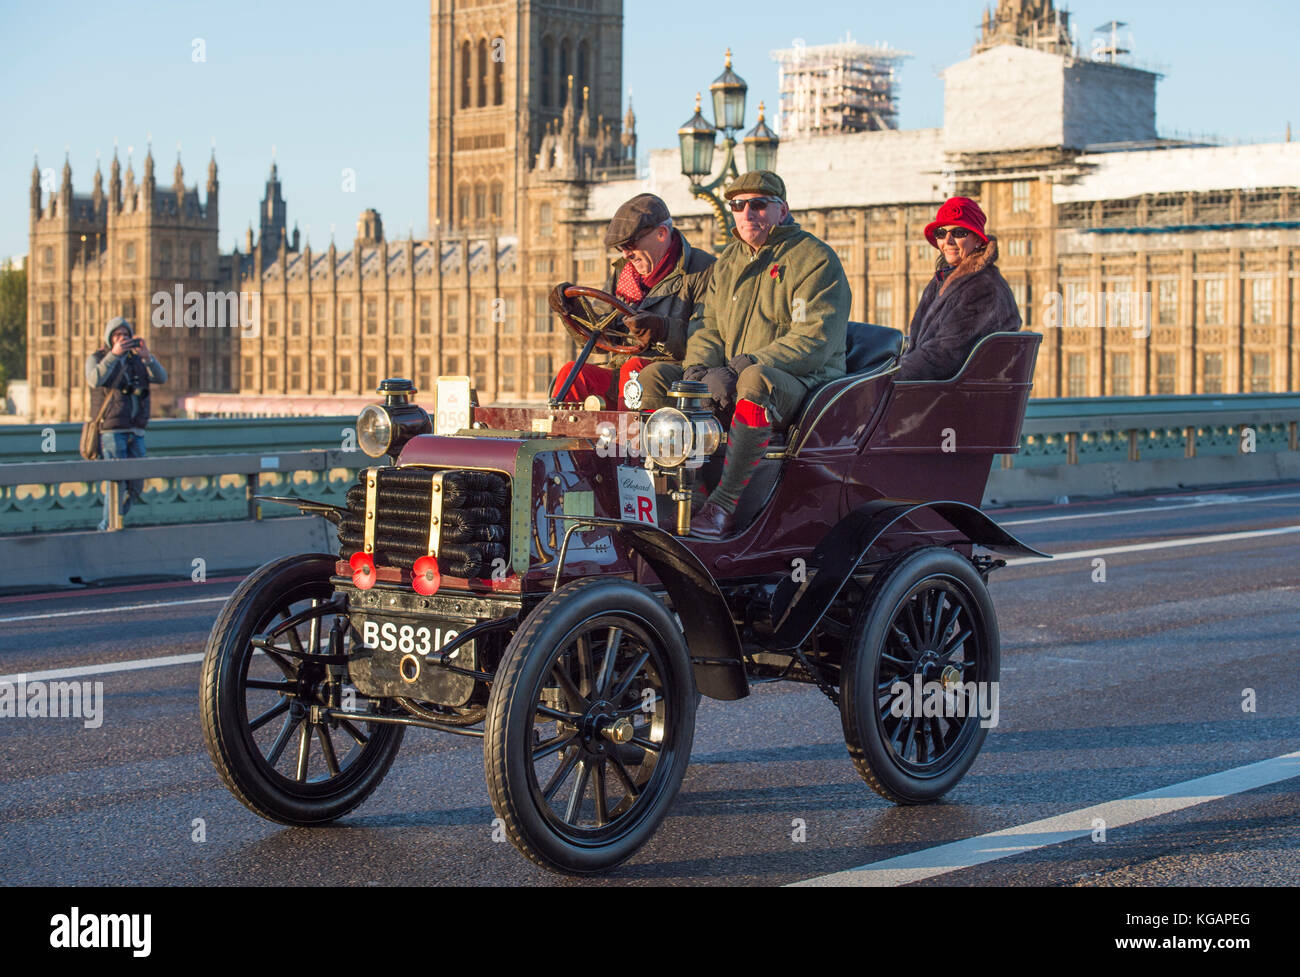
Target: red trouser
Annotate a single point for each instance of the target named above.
(598, 380)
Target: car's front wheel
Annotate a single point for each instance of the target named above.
(589, 725)
(261, 705)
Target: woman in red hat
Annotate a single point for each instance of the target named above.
(967, 299)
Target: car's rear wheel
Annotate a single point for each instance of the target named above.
(261, 707)
(589, 725)
(919, 685)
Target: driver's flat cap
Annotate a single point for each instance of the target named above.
(639, 214)
(757, 181)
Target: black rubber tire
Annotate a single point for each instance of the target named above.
(235, 752)
(559, 842)
(894, 776)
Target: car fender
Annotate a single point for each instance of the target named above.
(797, 605)
(697, 599)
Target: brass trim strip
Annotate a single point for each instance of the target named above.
(372, 509)
(435, 513)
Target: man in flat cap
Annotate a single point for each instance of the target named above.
(773, 326)
(660, 275)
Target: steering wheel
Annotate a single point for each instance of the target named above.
(583, 322)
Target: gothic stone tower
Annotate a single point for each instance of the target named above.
(524, 118)
(499, 77)
(108, 253)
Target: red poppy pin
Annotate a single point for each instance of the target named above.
(777, 272)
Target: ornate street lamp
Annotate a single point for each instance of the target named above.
(760, 145)
(729, 97)
(698, 138)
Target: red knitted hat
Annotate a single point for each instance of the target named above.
(958, 212)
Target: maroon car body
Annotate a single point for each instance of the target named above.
(857, 563)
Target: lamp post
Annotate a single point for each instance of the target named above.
(698, 138)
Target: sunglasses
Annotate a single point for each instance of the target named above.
(754, 203)
(956, 232)
(631, 245)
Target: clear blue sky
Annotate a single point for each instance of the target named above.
(333, 85)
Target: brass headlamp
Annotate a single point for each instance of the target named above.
(679, 439)
(384, 429)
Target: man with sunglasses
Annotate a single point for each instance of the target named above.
(773, 327)
(966, 300)
(660, 275)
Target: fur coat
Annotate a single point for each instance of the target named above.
(970, 302)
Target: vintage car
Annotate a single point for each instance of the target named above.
(530, 579)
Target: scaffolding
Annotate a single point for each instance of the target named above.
(844, 87)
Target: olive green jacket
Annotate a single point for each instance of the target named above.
(786, 305)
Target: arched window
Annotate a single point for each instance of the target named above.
(548, 72)
(480, 203)
(498, 198)
(462, 203)
(482, 72)
(498, 71)
(566, 68)
(465, 67)
(196, 260)
(584, 60)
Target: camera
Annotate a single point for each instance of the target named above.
(133, 343)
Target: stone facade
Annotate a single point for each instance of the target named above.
(528, 161)
(99, 255)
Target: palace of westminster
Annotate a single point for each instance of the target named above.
(1151, 266)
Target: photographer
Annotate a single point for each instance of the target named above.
(122, 370)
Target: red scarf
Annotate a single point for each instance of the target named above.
(632, 288)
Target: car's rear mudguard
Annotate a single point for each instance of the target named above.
(706, 619)
(798, 604)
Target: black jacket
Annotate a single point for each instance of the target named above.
(676, 296)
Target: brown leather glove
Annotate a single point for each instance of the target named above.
(646, 328)
(559, 304)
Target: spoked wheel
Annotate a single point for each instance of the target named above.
(927, 624)
(589, 725)
(260, 705)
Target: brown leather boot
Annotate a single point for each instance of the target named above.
(713, 522)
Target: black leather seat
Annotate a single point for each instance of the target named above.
(870, 347)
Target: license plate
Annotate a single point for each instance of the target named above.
(401, 657)
(409, 639)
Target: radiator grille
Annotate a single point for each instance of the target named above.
(474, 528)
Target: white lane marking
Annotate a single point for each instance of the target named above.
(1161, 545)
(929, 862)
(102, 669)
(1219, 500)
(112, 610)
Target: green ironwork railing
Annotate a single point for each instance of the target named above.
(228, 459)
